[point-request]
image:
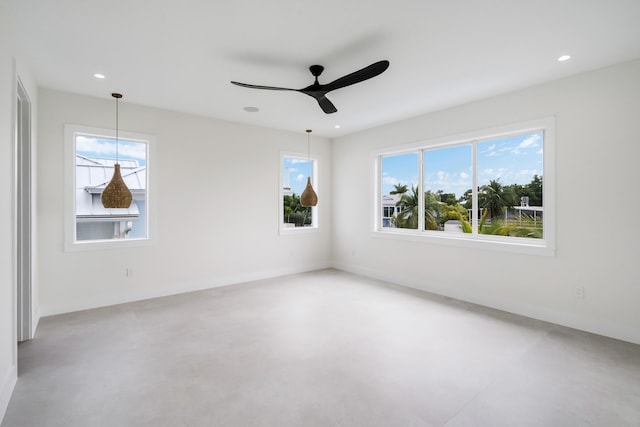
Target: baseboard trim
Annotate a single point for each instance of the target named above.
(8, 385)
(175, 289)
(552, 316)
(559, 318)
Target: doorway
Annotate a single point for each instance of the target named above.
(23, 214)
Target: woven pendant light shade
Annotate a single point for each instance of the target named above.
(309, 197)
(116, 194)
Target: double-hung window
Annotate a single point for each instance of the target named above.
(492, 189)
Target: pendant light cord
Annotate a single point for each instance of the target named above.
(117, 141)
(309, 144)
(117, 96)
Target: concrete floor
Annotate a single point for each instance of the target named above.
(319, 349)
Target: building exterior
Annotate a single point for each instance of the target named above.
(389, 209)
(95, 222)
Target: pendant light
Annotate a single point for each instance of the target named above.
(309, 197)
(116, 194)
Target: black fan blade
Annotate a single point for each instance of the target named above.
(357, 76)
(262, 87)
(326, 105)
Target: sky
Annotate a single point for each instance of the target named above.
(105, 148)
(512, 160)
(295, 172)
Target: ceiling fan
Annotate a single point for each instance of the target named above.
(318, 91)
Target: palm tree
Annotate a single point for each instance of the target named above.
(408, 204)
(494, 198)
(408, 215)
(432, 207)
(399, 189)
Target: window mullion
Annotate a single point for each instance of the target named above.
(474, 188)
(421, 226)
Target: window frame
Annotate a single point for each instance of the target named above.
(315, 225)
(544, 246)
(70, 230)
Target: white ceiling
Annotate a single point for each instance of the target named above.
(181, 55)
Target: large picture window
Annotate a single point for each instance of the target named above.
(294, 171)
(92, 154)
(493, 187)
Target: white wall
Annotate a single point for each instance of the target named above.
(597, 154)
(216, 192)
(8, 366)
(11, 68)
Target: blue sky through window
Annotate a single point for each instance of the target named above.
(512, 160)
(105, 148)
(295, 172)
(515, 160)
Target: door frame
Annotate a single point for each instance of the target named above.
(23, 214)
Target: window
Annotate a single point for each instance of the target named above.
(91, 154)
(295, 169)
(399, 198)
(491, 188)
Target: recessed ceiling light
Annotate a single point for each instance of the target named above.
(564, 58)
(251, 109)
(98, 76)
(337, 126)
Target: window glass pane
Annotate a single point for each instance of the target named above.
(510, 173)
(400, 191)
(94, 159)
(447, 189)
(295, 172)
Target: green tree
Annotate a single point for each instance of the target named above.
(294, 212)
(399, 189)
(495, 199)
(466, 199)
(409, 203)
(449, 198)
(453, 212)
(432, 209)
(534, 191)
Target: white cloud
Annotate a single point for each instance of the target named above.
(489, 149)
(84, 143)
(529, 172)
(532, 141)
(464, 175)
(137, 150)
(300, 177)
(107, 148)
(295, 160)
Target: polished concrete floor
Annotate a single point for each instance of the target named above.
(319, 349)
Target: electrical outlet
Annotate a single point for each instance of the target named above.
(129, 272)
(578, 292)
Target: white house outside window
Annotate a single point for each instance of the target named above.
(93, 155)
